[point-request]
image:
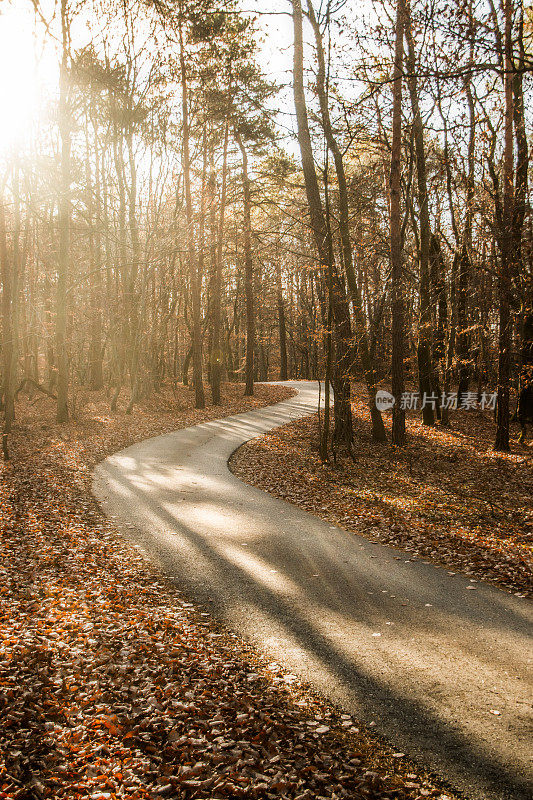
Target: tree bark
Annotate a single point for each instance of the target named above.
(195, 276)
(522, 152)
(121, 330)
(398, 289)
(328, 347)
(216, 345)
(281, 322)
(135, 309)
(424, 330)
(342, 404)
(248, 270)
(440, 323)
(506, 240)
(465, 267)
(64, 228)
(8, 340)
(378, 429)
(96, 378)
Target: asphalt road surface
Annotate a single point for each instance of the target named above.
(428, 656)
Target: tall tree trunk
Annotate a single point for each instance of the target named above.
(121, 329)
(440, 304)
(248, 270)
(398, 289)
(96, 378)
(378, 429)
(465, 267)
(135, 308)
(185, 368)
(216, 346)
(342, 405)
(424, 330)
(23, 299)
(450, 346)
(462, 334)
(8, 335)
(522, 152)
(64, 228)
(281, 321)
(196, 277)
(520, 198)
(506, 265)
(328, 347)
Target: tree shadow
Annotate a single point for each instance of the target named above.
(267, 580)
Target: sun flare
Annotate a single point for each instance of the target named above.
(25, 74)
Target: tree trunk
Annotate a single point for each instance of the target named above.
(440, 322)
(281, 322)
(342, 405)
(248, 271)
(64, 229)
(328, 347)
(465, 267)
(462, 335)
(216, 345)
(424, 330)
(96, 378)
(522, 153)
(121, 329)
(450, 347)
(135, 308)
(8, 340)
(196, 277)
(397, 291)
(378, 429)
(506, 240)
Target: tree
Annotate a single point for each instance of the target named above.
(506, 242)
(9, 343)
(64, 223)
(397, 300)
(324, 246)
(248, 269)
(195, 276)
(378, 429)
(424, 328)
(172, 231)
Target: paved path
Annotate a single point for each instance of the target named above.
(391, 640)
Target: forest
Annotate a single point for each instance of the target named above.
(173, 214)
(282, 246)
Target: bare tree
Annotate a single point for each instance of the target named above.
(398, 289)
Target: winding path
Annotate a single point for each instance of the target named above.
(425, 655)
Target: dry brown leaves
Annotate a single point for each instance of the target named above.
(447, 498)
(112, 684)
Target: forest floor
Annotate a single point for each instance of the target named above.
(446, 498)
(112, 684)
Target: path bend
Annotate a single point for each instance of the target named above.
(396, 642)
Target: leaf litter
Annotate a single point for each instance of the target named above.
(113, 685)
(447, 498)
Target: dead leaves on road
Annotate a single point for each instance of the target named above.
(446, 498)
(112, 684)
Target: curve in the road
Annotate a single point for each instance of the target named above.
(427, 656)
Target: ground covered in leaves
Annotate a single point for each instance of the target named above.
(447, 497)
(112, 684)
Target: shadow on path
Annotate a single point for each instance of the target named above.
(400, 642)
